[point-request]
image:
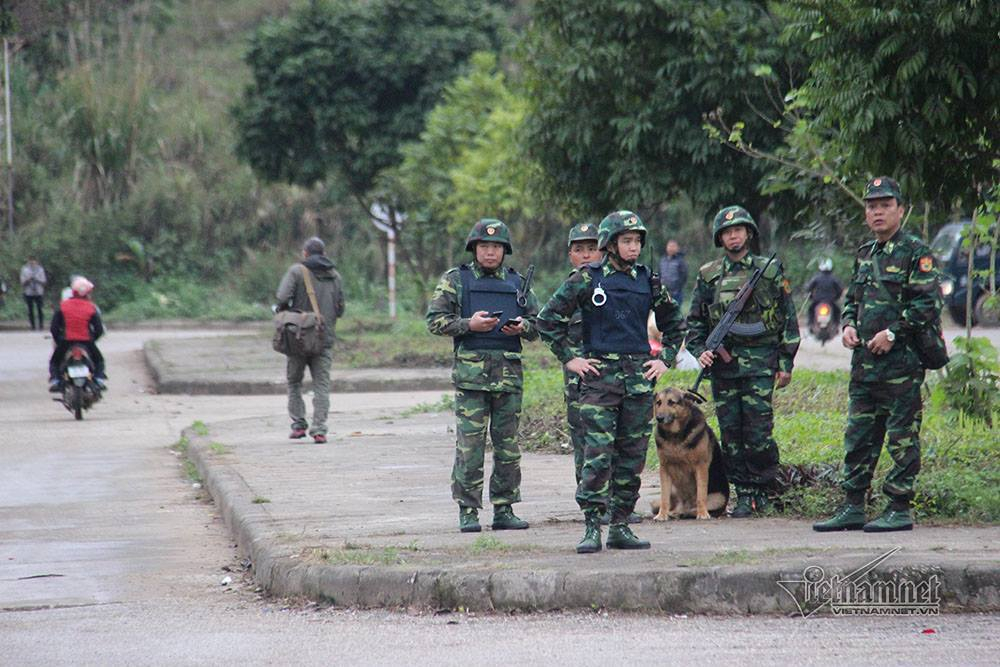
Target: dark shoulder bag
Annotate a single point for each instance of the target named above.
(928, 341)
(298, 333)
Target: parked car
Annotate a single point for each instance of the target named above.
(953, 262)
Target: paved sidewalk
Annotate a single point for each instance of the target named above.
(246, 364)
(367, 521)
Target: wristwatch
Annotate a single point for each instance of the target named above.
(891, 337)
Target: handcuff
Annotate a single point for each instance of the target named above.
(599, 297)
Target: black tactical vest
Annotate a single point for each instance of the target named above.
(620, 324)
(490, 293)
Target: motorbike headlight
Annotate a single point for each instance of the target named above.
(947, 287)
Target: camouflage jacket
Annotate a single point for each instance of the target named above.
(555, 325)
(770, 304)
(909, 276)
(482, 370)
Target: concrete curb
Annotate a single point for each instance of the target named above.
(728, 590)
(343, 381)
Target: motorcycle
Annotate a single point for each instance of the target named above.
(76, 377)
(825, 322)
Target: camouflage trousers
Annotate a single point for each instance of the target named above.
(615, 441)
(475, 413)
(876, 409)
(743, 406)
(319, 370)
(571, 392)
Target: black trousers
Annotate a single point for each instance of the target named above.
(62, 348)
(35, 302)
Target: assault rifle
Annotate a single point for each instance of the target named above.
(728, 324)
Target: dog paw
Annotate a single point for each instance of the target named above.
(660, 517)
(704, 516)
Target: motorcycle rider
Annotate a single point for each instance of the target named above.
(77, 320)
(824, 287)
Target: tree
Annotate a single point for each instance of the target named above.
(619, 91)
(906, 88)
(339, 85)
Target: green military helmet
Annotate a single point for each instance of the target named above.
(616, 223)
(584, 231)
(731, 216)
(489, 229)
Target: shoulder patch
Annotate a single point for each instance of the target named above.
(711, 270)
(926, 263)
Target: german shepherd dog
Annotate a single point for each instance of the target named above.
(692, 472)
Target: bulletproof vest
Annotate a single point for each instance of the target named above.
(490, 293)
(620, 324)
(76, 313)
(763, 305)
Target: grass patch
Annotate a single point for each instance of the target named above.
(199, 428)
(191, 470)
(217, 447)
(735, 557)
(360, 554)
(182, 444)
(186, 298)
(959, 481)
(260, 500)
(444, 404)
(488, 544)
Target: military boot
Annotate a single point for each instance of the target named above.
(890, 521)
(591, 541)
(744, 507)
(504, 519)
(620, 536)
(468, 520)
(848, 517)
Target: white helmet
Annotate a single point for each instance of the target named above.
(81, 286)
(826, 264)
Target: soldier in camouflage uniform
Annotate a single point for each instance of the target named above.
(893, 294)
(616, 374)
(744, 386)
(487, 370)
(582, 250)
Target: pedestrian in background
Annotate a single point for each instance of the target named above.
(893, 294)
(318, 274)
(743, 387)
(487, 309)
(33, 282)
(674, 270)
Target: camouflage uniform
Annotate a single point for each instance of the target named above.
(743, 388)
(885, 389)
(615, 407)
(488, 389)
(571, 385)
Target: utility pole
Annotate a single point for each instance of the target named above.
(388, 219)
(9, 137)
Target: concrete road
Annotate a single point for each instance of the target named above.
(108, 556)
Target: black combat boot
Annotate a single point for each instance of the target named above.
(591, 541)
(620, 536)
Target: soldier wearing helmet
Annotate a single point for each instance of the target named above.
(743, 387)
(479, 305)
(614, 369)
(77, 320)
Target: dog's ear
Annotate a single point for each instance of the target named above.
(694, 397)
